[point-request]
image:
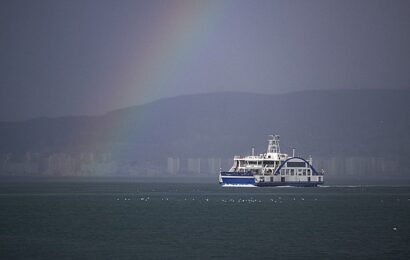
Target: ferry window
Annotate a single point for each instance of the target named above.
(296, 164)
(292, 172)
(308, 171)
(304, 172)
(269, 162)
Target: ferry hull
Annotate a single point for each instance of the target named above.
(250, 180)
(292, 184)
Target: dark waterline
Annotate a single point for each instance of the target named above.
(129, 220)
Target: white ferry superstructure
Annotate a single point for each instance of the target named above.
(272, 168)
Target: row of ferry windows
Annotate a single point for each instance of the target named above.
(259, 162)
(292, 172)
(289, 164)
(256, 163)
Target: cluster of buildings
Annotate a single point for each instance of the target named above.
(359, 166)
(56, 164)
(103, 164)
(196, 166)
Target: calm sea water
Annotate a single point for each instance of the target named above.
(131, 220)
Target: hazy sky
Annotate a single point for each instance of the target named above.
(88, 57)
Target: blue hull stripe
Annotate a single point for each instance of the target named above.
(228, 180)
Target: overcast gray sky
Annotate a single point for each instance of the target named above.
(89, 57)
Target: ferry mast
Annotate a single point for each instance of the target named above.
(273, 146)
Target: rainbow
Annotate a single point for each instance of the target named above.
(178, 37)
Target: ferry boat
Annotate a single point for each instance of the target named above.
(272, 168)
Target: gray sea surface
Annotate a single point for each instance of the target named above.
(143, 220)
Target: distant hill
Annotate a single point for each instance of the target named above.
(320, 123)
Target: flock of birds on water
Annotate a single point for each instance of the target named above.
(277, 200)
(240, 200)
